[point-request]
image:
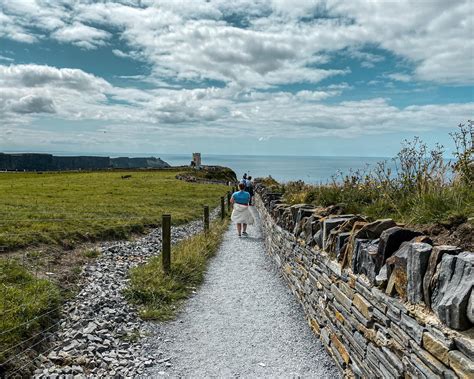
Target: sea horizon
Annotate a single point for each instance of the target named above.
(311, 169)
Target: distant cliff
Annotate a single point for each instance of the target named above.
(48, 162)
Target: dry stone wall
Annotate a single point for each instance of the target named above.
(384, 301)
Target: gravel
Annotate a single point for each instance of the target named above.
(243, 322)
(100, 333)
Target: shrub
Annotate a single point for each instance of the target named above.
(420, 188)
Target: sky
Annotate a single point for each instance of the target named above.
(281, 77)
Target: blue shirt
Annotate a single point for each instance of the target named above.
(241, 197)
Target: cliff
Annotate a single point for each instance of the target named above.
(49, 162)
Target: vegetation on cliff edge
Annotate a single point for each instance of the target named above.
(422, 189)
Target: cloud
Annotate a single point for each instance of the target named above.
(33, 104)
(400, 77)
(8, 59)
(81, 35)
(435, 35)
(233, 68)
(368, 60)
(32, 75)
(251, 43)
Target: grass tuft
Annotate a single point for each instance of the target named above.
(28, 305)
(159, 295)
(92, 253)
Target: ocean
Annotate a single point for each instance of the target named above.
(310, 169)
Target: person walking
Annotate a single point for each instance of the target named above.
(241, 213)
(249, 188)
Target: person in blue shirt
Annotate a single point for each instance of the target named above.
(241, 214)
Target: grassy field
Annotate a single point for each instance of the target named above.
(42, 214)
(65, 208)
(159, 295)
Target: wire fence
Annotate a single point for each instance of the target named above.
(34, 330)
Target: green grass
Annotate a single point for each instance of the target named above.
(62, 210)
(69, 207)
(159, 295)
(28, 305)
(217, 173)
(91, 253)
(420, 188)
(439, 205)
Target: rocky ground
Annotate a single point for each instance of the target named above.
(100, 333)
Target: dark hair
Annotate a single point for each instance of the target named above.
(241, 186)
(245, 176)
(249, 178)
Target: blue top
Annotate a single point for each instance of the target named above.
(241, 197)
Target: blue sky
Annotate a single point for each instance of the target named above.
(243, 77)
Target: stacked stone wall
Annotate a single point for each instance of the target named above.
(364, 288)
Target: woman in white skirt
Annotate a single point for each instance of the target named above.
(241, 212)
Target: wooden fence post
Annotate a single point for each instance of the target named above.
(228, 200)
(166, 243)
(206, 218)
(222, 208)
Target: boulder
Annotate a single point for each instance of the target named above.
(390, 241)
(382, 277)
(330, 224)
(318, 237)
(374, 229)
(453, 283)
(341, 243)
(332, 240)
(295, 210)
(363, 258)
(397, 271)
(417, 263)
(435, 257)
(311, 227)
(299, 227)
(347, 255)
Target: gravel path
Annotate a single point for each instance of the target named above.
(243, 322)
(97, 334)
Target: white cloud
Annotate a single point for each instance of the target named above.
(400, 77)
(7, 59)
(280, 45)
(33, 104)
(81, 35)
(194, 40)
(435, 35)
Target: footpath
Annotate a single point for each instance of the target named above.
(242, 322)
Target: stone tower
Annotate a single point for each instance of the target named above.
(197, 159)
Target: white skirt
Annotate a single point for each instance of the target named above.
(241, 214)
